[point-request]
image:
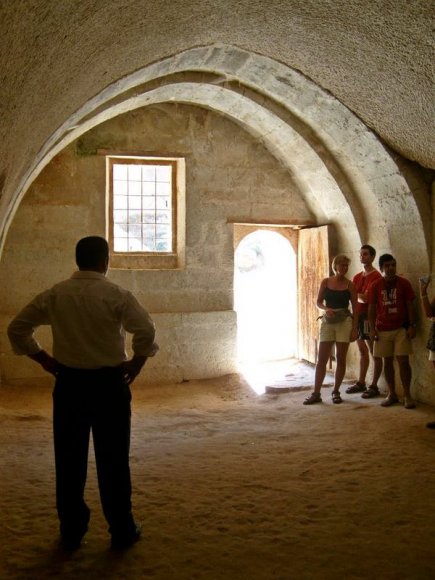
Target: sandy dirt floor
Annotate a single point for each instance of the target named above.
(231, 484)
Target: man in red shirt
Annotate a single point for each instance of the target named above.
(362, 281)
(392, 326)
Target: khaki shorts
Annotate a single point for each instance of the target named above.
(432, 355)
(338, 332)
(392, 343)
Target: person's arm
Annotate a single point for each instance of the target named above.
(137, 321)
(362, 296)
(372, 298)
(320, 302)
(371, 279)
(356, 281)
(372, 321)
(47, 362)
(428, 307)
(21, 333)
(409, 297)
(410, 331)
(133, 367)
(354, 302)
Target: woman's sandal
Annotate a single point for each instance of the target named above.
(371, 392)
(336, 397)
(313, 398)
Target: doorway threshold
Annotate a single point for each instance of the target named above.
(283, 376)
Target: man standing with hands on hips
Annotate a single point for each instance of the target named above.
(89, 317)
(392, 327)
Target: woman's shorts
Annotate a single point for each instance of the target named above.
(392, 343)
(335, 332)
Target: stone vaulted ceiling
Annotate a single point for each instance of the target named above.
(376, 57)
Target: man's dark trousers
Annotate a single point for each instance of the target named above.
(98, 401)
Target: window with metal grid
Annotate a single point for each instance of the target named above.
(142, 205)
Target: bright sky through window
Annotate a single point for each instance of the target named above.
(142, 207)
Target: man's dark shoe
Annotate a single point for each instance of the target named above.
(124, 541)
(390, 400)
(71, 534)
(371, 392)
(356, 388)
(71, 543)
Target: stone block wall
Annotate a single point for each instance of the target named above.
(228, 173)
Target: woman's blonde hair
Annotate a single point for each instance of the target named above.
(340, 259)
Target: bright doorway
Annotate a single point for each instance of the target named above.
(265, 297)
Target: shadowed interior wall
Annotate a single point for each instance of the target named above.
(228, 174)
(242, 67)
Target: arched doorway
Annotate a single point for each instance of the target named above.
(265, 297)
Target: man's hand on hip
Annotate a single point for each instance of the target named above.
(132, 368)
(47, 362)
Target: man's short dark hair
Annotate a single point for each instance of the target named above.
(371, 249)
(91, 252)
(385, 258)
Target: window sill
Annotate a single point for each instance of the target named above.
(130, 261)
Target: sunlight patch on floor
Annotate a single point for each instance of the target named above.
(291, 371)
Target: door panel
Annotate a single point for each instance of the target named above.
(313, 267)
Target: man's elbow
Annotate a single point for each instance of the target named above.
(12, 333)
(17, 337)
(154, 349)
(15, 344)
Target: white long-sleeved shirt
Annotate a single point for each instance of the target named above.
(89, 317)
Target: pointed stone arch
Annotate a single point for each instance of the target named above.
(343, 171)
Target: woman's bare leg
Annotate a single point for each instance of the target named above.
(322, 360)
(340, 370)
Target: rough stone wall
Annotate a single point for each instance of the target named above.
(228, 173)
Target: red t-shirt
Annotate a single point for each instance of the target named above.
(391, 302)
(362, 284)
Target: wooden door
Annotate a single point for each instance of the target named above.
(313, 267)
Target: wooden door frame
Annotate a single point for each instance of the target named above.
(313, 266)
